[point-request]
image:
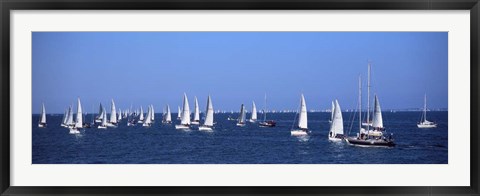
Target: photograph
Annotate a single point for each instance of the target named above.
(239, 97)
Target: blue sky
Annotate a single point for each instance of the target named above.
(140, 68)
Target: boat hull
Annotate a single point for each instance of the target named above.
(102, 127)
(334, 139)
(240, 124)
(298, 133)
(371, 142)
(74, 131)
(267, 124)
(195, 123)
(184, 127)
(42, 125)
(426, 126)
(205, 128)
(252, 121)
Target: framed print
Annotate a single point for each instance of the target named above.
(241, 97)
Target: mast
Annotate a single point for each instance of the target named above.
(368, 98)
(425, 108)
(359, 104)
(265, 109)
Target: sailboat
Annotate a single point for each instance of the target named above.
(148, 120)
(179, 114)
(336, 127)
(100, 114)
(141, 118)
(185, 122)
(242, 117)
(69, 120)
(75, 129)
(208, 124)
(64, 119)
(42, 123)
(113, 116)
(103, 124)
(167, 117)
(253, 118)
(302, 127)
(265, 122)
(374, 135)
(424, 123)
(196, 115)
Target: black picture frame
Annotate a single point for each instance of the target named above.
(8, 5)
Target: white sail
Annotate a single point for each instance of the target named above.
(169, 114)
(79, 119)
(302, 120)
(179, 116)
(377, 114)
(113, 113)
(69, 117)
(104, 118)
(337, 120)
(209, 117)
(65, 116)
(43, 116)
(119, 114)
(148, 120)
(196, 116)
(141, 118)
(254, 112)
(242, 116)
(153, 113)
(186, 111)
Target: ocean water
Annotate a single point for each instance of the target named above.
(229, 144)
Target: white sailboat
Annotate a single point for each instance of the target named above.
(242, 117)
(148, 120)
(208, 124)
(113, 116)
(64, 119)
(167, 117)
(253, 118)
(302, 127)
(424, 123)
(185, 122)
(42, 122)
(69, 121)
(196, 115)
(141, 118)
(103, 124)
(75, 129)
(100, 114)
(336, 127)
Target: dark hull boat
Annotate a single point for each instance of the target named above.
(269, 123)
(371, 142)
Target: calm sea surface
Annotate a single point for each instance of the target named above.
(229, 144)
